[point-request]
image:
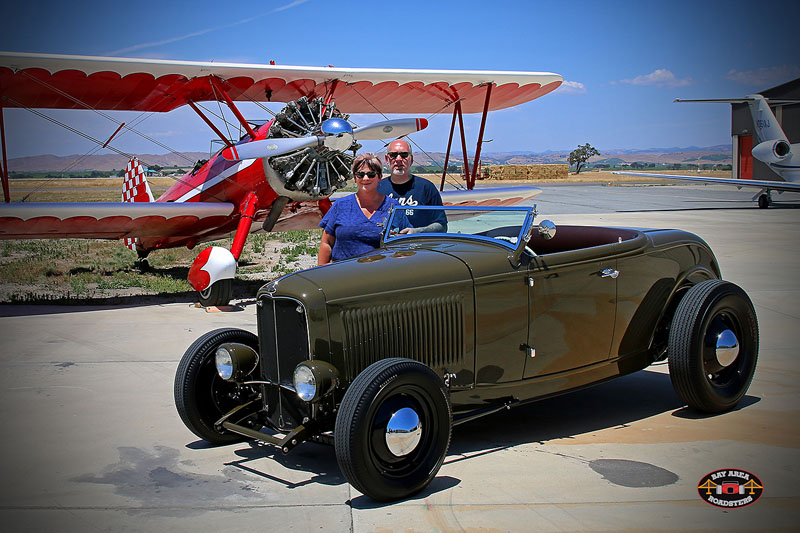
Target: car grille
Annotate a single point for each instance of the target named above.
(429, 330)
(283, 337)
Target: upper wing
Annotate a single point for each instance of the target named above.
(110, 220)
(760, 184)
(69, 82)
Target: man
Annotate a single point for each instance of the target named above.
(411, 190)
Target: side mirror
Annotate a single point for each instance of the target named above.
(547, 229)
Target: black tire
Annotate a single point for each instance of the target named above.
(704, 380)
(201, 396)
(218, 293)
(763, 201)
(360, 432)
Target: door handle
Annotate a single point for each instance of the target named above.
(609, 273)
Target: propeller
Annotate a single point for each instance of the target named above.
(269, 147)
(337, 135)
(390, 128)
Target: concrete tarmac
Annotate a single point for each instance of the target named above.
(93, 441)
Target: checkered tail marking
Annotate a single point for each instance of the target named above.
(135, 189)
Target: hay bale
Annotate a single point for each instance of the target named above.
(527, 172)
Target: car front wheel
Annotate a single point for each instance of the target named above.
(393, 429)
(201, 395)
(713, 346)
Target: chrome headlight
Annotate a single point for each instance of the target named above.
(304, 383)
(224, 363)
(314, 379)
(235, 361)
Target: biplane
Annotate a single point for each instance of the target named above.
(278, 176)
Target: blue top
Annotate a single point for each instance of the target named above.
(416, 191)
(356, 234)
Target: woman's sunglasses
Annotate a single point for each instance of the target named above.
(370, 174)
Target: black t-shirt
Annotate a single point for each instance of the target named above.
(416, 191)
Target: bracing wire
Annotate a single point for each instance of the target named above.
(453, 182)
(107, 116)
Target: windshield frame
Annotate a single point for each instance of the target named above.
(522, 236)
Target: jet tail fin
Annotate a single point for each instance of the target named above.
(135, 189)
(767, 127)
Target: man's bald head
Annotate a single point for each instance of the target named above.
(399, 159)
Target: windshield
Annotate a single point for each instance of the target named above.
(505, 225)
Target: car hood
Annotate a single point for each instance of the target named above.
(395, 270)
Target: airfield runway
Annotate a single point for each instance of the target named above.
(93, 442)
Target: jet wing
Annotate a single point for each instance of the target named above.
(111, 220)
(124, 84)
(740, 183)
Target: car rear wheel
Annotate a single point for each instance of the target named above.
(201, 396)
(393, 429)
(218, 293)
(713, 346)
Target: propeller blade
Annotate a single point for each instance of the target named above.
(268, 147)
(390, 128)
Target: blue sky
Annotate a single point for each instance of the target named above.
(623, 62)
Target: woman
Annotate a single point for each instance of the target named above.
(355, 223)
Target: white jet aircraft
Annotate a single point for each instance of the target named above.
(773, 148)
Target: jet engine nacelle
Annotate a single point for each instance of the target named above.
(772, 151)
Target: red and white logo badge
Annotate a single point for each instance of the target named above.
(729, 488)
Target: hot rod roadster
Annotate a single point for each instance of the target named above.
(380, 355)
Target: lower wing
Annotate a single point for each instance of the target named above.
(491, 196)
(759, 184)
(111, 220)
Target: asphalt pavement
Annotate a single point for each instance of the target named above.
(93, 441)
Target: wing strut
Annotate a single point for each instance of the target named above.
(4, 168)
(471, 181)
(211, 125)
(469, 176)
(233, 107)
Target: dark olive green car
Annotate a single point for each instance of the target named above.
(382, 354)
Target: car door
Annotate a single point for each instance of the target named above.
(572, 302)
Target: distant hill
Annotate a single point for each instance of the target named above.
(720, 154)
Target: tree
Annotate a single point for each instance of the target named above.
(581, 155)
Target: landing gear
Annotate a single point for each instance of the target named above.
(216, 294)
(764, 200)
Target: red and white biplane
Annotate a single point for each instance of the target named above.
(278, 176)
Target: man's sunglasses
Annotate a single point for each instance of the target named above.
(404, 155)
(371, 174)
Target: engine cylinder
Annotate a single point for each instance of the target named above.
(315, 172)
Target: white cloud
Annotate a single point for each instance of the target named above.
(659, 78)
(204, 31)
(571, 87)
(764, 77)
